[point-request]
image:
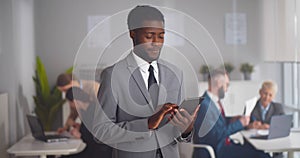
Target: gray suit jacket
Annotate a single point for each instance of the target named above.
(121, 120)
(275, 109)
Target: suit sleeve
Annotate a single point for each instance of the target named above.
(106, 127)
(210, 127)
(279, 109)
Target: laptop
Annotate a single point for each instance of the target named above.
(279, 127)
(38, 132)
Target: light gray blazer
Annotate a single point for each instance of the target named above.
(275, 109)
(121, 120)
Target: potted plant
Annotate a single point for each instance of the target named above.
(204, 70)
(247, 69)
(228, 67)
(47, 101)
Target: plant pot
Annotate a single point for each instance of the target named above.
(247, 76)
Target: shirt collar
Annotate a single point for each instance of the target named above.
(263, 108)
(213, 97)
(144, 65)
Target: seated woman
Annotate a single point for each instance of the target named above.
(265, 108)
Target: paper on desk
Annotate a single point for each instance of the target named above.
(263, 132)
(250, 104)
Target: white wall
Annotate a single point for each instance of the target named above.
(61, 25)
(17, 61)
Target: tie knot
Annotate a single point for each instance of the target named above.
(150, 68)
(151, 79)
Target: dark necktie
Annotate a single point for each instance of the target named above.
(151, 79)
(227, 139)
(221, 108)
(152, 87)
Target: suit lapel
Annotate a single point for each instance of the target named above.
(161, 89)
(269, 113)
(137, 76)
(215, 110)
(257, 111)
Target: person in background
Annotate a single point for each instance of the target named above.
(64, 82)
(85, 106)
(213, 128)
(265, 107)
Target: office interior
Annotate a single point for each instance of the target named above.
(264, 33)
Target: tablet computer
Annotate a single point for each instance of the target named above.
(191, 104)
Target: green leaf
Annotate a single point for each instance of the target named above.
(47, 102)
(69, 70)
(42, 78)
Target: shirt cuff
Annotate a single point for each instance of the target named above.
(185, 137)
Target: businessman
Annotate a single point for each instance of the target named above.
(265, 107)
(138, 113)
(212, 127)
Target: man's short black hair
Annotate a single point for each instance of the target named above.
(139, 14)
(64, 79)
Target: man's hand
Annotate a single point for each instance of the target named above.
(254, 125)
(245, 120)
(75, 132)
(155, 119)
(183, 120)
(265, 126)
(258, 125)
(62, 129)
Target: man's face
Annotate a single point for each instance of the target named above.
(148, 40)
(226, 84)
(266, 96)
(221, 93)
(223, 88)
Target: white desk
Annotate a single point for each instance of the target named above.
(288, 144)
(28, 146)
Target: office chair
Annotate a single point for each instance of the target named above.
(192, 146)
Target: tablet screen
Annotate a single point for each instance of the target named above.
(191, 104)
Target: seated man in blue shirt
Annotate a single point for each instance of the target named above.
(265, 108)
(213, 128)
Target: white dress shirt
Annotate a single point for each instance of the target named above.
(264, 110)
(215, 99)
(144, 66)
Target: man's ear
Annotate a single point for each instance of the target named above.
(132, 34)
(260, 92)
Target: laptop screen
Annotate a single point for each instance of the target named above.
(35, 126)
(280, 126)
